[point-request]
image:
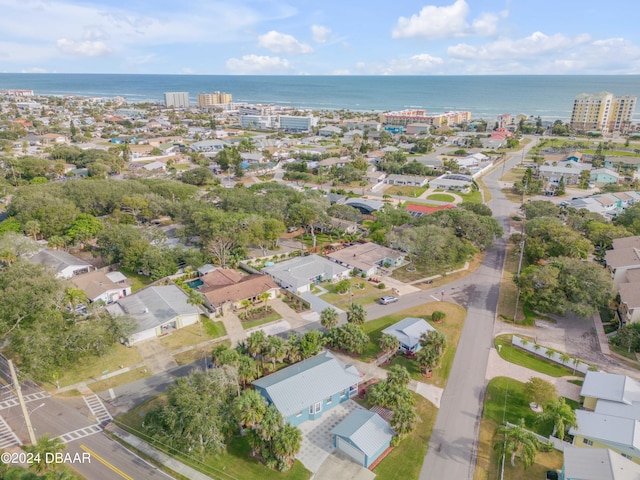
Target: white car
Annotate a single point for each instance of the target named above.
(387, 299)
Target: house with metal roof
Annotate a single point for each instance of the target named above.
(304, 391)
(298, 274)
(453, 182)
(363, 435)
(602, 386)
(408, 333)
(597, 464)
(156, 311)
(365, 205)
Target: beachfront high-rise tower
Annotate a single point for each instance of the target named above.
(602, 112)
(176, 99)
(211, 99)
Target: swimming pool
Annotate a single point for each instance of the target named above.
(195, 284)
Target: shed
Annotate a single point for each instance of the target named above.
(363, 435)
(408, 332)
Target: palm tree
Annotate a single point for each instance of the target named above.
(286, 443)
(249, 408)
(264, 297)
(74, 297)
(404, 419)
(516, 439)
(388, 344)
(562, 416)
(271, 423)
(294, 353)
(356, 314)
(256, 342)
(247, 369)
(276, 349)
(329, 318)
(32, 227)
(7, 256)
(41, 448)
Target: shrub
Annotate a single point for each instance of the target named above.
(381, 286)
(438, 316)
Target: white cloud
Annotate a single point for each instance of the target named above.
(422, 63)
(258, 64)
(446, 22)
(535, 45)
(33, 70)
(282, 43)
(83, 48)
(320, 33)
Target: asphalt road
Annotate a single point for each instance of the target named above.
(453, 445)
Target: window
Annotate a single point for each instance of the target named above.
(299, 414)
(627, 456)
(329, 400)
(586, 441)
(313, 409)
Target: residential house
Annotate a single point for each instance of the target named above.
(611, 415)
(624, 256)
(471, 161)
(306, 390)
(629, 308)
(363, 435)
(346, 226)
(103, 287)
(329, 131)
(604, 175)
(334, 162)
(156, 311)
(367, 258)
(613, 163)
(365, 205)
(406, 180)
(431, 162)
(597, 464)
(417, 128)
(408, 332)
(64, 264)
(208, 146)
(250, 287)
(417, 210)
(452, 183)
(569, 172)
(298, 274)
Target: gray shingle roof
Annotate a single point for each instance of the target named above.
(57, 259)
(367, 430)
(154, 306)
(301, 271)
(408, 331)
(295, 388)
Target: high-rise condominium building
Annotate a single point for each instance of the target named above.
(176, 99)
(210, 99)
(602, 112)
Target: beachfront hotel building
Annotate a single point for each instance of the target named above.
(176, 99)
(206, 100)
(602, 112)
(405, 117)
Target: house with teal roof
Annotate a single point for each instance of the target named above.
(305, 390)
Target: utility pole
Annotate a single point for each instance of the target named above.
(23, 406)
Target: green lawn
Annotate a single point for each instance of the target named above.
(441, 197)
(193, 334)
(136, 280)
(272, 317)
(233, 464)
(117, 357)
(451, 327)
(534, 362)
(505, 400)
(408, 456)
(369, 294)
(403, 191)
(473, 197)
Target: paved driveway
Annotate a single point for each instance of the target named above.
(317, 443)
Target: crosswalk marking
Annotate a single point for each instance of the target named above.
(97, 408)
(32, 397)
(80, 433)
(7, 437)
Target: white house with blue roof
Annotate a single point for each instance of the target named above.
(363, 435)
(304, 391)
(408, 333)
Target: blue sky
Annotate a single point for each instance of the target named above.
(329, 37)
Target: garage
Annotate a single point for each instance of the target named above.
(350, 450)
(363, 435)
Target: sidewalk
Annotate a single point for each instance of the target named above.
(156, 454)
(430, 392)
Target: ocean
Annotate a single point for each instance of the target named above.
(547, 96)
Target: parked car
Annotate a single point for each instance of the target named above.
(387, 299)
